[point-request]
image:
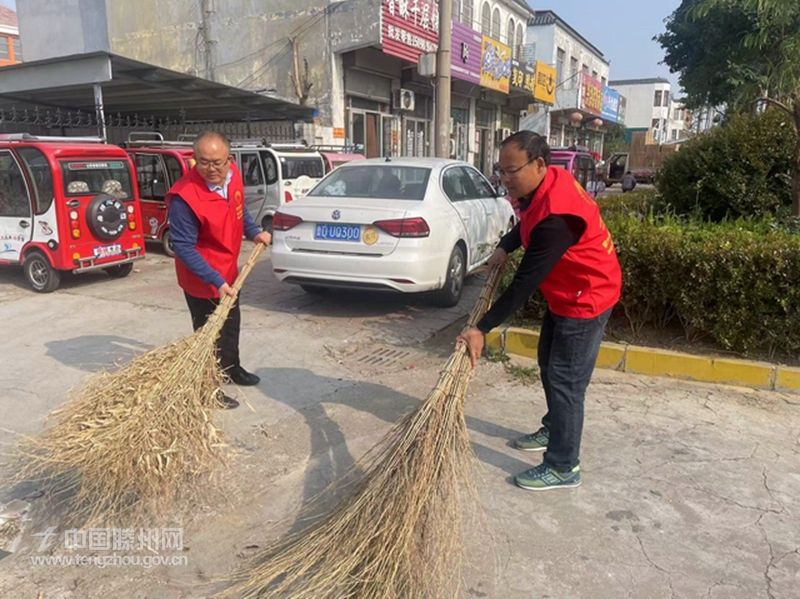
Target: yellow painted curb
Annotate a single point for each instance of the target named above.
(521, 342)
(660, 362)
(788, 379)
(611, 355)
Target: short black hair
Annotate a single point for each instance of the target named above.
(211, 135)
(531, 143)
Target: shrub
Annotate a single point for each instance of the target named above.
(738, 170)
(735, 282)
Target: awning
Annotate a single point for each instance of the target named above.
(128, 89)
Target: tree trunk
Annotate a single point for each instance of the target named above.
(796, 166)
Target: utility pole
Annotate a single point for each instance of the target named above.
(207, 10)
(442, 117)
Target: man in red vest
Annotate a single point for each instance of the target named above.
(570, 256)
(208, 216)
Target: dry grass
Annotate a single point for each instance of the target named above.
(397, 533)
(134, 444)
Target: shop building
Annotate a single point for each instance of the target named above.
(585, 104)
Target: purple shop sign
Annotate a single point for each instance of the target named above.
(465, 54)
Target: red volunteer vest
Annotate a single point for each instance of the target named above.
(587, 280)
(221, 227)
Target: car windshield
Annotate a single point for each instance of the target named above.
(375, 181)
(86, 177)
(296, 166)
(561, 164)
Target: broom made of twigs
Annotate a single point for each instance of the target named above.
(130, 444)
(397, 533)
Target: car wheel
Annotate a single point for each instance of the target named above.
(450, 293)
(266, 224)
(119, 270)
(166, 240)
(41, 276)
(314, 289)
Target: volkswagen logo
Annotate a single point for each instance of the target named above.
(336, 215)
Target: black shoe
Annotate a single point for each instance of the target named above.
(225, 402)
(241, 377)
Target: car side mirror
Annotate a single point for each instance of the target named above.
(500, 191)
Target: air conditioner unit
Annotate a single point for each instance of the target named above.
(501, 134)
(403, 99)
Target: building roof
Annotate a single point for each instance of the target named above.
(649, 81)
(133, 89)
(8, 17)
(542, 18)
(524, 6)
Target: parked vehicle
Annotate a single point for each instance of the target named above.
(334, 156)
(67, 204)
(159, 164)
(582, 166)
(403, 224)
(273, 175)
(643, 161)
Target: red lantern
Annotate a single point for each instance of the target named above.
(597, 123)
(575, 118)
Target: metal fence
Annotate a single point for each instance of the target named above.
(38, 121)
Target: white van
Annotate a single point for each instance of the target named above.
(275, 175)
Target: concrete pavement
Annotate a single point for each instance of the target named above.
(689, 490)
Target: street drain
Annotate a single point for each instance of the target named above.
(385, 356)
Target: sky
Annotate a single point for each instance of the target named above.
(622, 30)
(10, 3)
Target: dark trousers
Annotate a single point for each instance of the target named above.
(568, 349)
(228, 340)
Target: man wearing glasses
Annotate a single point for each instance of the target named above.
(570, 256)
(207, 217)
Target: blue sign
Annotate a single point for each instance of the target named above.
(610, 104)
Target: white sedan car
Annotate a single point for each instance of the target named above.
(403, 224)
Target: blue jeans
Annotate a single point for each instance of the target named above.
(568, 349)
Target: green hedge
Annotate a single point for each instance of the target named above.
(741, 169)
(737, 283)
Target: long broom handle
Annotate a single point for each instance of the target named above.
(487, 296)
(228, 301)
(217, 319)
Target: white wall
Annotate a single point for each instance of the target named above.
(641, 109)
(62, 27)
(550, 38)
(508, 10)
(574, 48)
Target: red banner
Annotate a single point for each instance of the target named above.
(409, 28)
(591, 95)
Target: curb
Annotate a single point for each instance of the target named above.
(658, 362)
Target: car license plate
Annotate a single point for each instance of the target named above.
(106, 251)
(334, 232)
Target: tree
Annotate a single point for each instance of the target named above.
(702, 51)
(745, 53)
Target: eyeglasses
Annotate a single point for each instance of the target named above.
(212, 163)
(511, 172)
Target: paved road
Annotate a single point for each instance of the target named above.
(689, 490)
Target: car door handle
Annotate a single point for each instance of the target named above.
(24, 224)
(260, 190)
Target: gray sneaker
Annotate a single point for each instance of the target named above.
(543, 478)
(534, 442)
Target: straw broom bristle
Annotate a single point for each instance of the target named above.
(398, 533)
(135, 443)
